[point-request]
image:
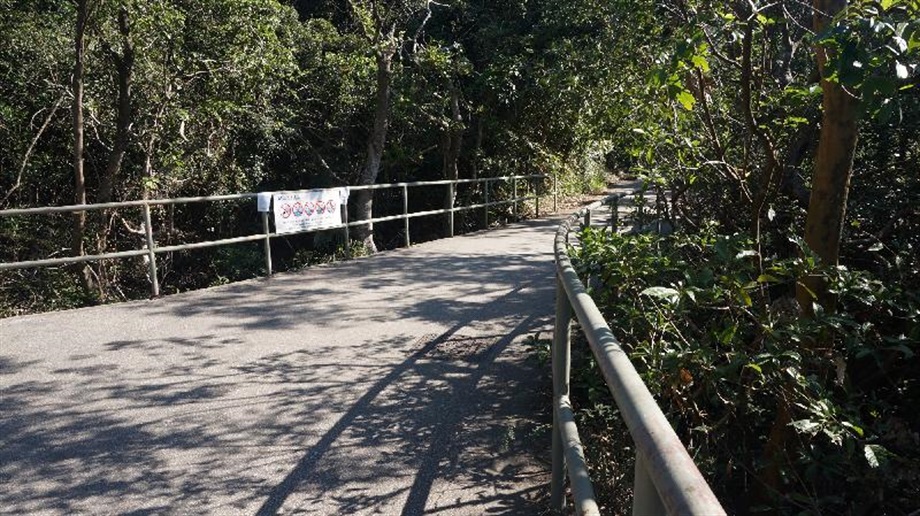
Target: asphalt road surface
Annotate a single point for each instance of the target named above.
(398, 384)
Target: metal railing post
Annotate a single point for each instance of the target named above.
(486, 207)
(151, 253)
(562, 364)
(405, 191)
(536, 191)
(347, 236)
(587, 218)
(555, 194)
(452, 193)
(514, 195)
(645, 495)
(268, 244)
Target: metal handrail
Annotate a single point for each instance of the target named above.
(666, 478)
(152, 249)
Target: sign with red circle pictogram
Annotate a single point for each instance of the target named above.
(308, 209)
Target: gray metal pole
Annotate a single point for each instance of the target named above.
(151, 253)
(347, 236)
(645, 496)
(486, 208)
(555, 194)
(514, 194)
(562, 364)
(588, 218)
(405, 190)
(268, 244)
(452, 195)
(538, 186)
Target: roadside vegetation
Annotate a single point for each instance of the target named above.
(112, 100)
(778, 325)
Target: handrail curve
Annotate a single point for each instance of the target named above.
(667, 479)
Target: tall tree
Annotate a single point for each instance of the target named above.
(833, 167)
(385, 25)
(79, 69)
(124, 70)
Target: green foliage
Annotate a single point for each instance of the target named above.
(875, 49)
(238, 262)
(721, 345)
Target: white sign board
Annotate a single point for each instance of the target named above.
(308, 209)
(264, 201)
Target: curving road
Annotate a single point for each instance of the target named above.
(397, 384)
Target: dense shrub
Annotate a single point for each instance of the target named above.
(722, 347)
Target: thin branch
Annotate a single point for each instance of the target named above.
(719, 55)
(31, 149)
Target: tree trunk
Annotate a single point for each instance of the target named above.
(79, 218)
(453, 139)
(124, 63)
(833, 169)
(823, 227)
(477, 145)
(124, 67)
(364, 199)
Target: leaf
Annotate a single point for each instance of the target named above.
(700, 62)
(805, 426)
(857, 430)
(746, 298)
(899, 69)
(686, 99)
(666, 293)
(873, 453)
(755, 367)
(747, 253)
(771, 214)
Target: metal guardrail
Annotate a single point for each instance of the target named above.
(152, 249)
(666, 479)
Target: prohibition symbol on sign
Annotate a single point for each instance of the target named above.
(308, 209)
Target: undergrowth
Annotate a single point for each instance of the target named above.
(715, 332)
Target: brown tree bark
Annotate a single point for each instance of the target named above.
(364, 199)
(833, 170)
(823, 226)
(453, 139)
(79, 218)
(124, 64)
(79, 221)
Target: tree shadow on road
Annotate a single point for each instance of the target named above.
(404, 423)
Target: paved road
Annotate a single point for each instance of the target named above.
(396, 384)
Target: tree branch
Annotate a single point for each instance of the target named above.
(31, 149)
